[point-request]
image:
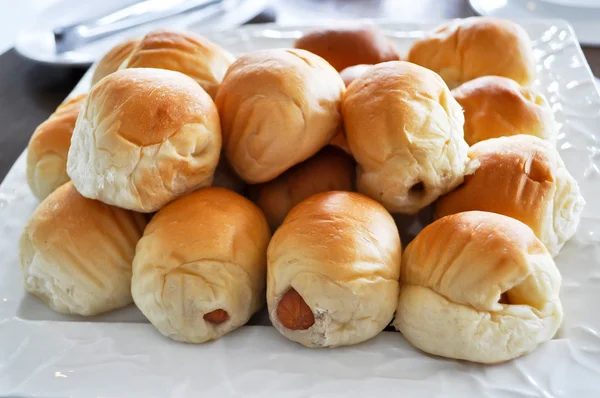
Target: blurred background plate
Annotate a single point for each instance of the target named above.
(36, 39)
(583, 15)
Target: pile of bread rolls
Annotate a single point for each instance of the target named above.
(200, 186)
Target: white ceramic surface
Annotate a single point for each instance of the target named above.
(583, 15)
(120, 355)
(576, 3)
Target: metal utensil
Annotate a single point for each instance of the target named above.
(72, 36)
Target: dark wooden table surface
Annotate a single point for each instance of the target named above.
(29, 92)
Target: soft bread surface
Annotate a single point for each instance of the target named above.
(464, 49)
(278, 107)
(143, 138)
(340, 252)
(76, 253)
(498, 106)
(478, 286)
(329, 170)
(405, 131)
(347, 46)
(185, 52)
(522, 177)
(113, 60)
(48, 149)
(205, 253)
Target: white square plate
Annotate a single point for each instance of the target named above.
(120, 354)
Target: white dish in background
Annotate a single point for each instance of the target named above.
(576, 3)
(119, 354)
(36, 40)
(583, 15)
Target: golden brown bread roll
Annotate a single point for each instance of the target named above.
(329, 170)
(278, 108)
(350, 73)
(405, 131)
(497, 106)
(199, 271)
(464, 49)
(333, 269)
(48, 149)
(347, 46)
(76, 253)
(184, 52)
(113, 60)
(478, 286)
(144, 138)
(522, 177)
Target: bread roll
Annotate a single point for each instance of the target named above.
(113, 60)
(350, 73)
(48, 149)
(333, 269)
(199, 271)
(464, 49)
(405, 131)
(480, 287)
(144, 138)
(76, 253)
(329, 170)
(278, 108)
(522, 177)
(497, 106)
(347, 46)
(184, 52)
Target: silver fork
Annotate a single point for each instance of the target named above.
(72, 36)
